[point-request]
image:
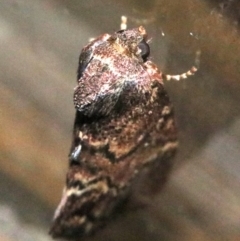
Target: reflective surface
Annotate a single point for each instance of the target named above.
(40, 44)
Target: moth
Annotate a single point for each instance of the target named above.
(124, 124)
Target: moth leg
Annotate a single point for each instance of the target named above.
(188, 73)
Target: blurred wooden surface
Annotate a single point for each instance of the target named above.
(40, 44)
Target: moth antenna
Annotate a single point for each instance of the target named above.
(123, 25)
(190, 72)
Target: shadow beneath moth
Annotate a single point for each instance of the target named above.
(124, 126)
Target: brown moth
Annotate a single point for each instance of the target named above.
(124, 123)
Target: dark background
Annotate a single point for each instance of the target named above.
(40, 42)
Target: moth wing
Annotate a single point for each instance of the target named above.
(110, 159)
(94, 99)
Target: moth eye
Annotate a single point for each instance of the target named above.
(145, 50)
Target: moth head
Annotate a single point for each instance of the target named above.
(133, 42)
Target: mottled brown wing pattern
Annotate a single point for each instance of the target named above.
(124, 122)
